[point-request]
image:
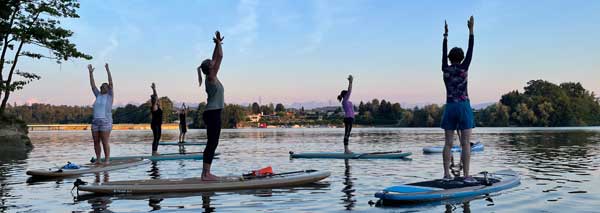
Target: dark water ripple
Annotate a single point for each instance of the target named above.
(559, 168)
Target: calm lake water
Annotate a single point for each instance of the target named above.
(559, 168)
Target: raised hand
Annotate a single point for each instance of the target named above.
(471, 23)
(445, 27)
(90, 68)
(350, 78)
(153, 86)
(106, 67)
(218, 38)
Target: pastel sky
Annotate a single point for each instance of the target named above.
(300, 51)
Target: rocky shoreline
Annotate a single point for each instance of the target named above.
(14, 142)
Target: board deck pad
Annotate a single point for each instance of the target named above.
(439, 190)
(453, 184)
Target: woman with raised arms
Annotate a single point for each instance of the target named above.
(102, 117)
(214, 104)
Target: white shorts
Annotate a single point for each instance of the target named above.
(101, 125)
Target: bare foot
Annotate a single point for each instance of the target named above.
(107, 162)
(209, 177)
(155, 153)
(347, 151)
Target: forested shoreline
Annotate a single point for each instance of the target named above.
(541, 104)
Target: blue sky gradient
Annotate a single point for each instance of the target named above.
(301, 51)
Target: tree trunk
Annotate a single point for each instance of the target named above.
(4, 49)
(14, 63)
(9, 79)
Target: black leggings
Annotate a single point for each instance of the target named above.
(347, 128)
(156, 132)
(212, 120)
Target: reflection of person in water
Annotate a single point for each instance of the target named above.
(106, 177)
(100, 204)
(154, 202)
(466, 207)
(348, 190)
(206, 203)
(154, 171)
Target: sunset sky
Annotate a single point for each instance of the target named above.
(302, 51)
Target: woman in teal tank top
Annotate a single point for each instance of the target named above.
(215, 103)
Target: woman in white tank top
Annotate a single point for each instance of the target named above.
(102, 120)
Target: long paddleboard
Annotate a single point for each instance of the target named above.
(161, 157)
(436, 190)
(87, 168)
(338, 155)
(476, 147)
(182, 144)
(197, 185)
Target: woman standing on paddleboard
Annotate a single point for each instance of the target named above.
(458, 114)
(214, 104)
(344, 97)
(157, 117)
(182, 123)
(102, 118)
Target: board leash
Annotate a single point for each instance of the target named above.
(249, 177)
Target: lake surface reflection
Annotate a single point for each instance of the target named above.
(559, 168)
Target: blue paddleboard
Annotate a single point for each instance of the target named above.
(436, 190)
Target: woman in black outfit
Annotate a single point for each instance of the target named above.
(182, 123)
(157, 117)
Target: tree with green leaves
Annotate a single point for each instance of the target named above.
(31, 28)
(255, 108)
(279, 108)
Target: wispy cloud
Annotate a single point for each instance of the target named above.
(327, 16)
(323, 19)
(113, 43)
(245, 30)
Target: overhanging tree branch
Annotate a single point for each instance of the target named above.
(34, 22)
(7, 42)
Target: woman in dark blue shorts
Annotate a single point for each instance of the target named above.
(458, 115)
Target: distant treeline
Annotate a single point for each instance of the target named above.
(544, 104)
(51, 114)
(541, 104)
(131, 114)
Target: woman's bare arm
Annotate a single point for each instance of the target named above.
(199, 76)
(155, 104)
(350, 79)
(110, 81)
(217, 54)
(92, 82)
